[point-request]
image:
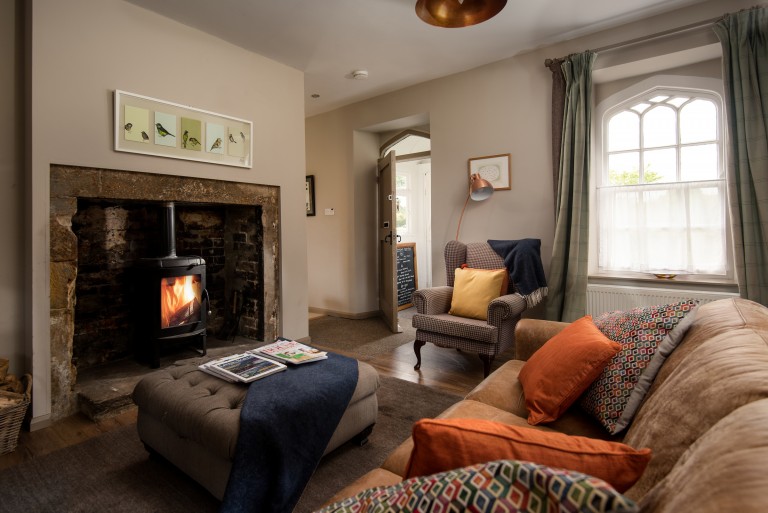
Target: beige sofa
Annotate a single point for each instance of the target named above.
(705, 417)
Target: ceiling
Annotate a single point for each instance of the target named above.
(328, 39)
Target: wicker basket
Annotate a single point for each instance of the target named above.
(12, 415)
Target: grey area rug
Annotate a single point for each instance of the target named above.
(114, 473)
(364, 338)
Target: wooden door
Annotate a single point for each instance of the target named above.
(387, 233)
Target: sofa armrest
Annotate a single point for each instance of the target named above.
(434, 300)
(505, 307)
(374, 478)
(531, 334)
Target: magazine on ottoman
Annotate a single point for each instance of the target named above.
(242, 368)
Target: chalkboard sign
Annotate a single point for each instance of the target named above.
(407, 279)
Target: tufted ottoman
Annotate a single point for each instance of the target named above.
(192, 419)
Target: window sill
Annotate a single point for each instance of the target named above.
(712, 283)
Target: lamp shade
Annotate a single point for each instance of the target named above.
(457, 13)
(479, 189)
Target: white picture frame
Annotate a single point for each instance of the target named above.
(140, 128)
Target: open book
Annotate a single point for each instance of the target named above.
(290, 351)
(242, 368)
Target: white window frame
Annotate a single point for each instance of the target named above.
(709, 88)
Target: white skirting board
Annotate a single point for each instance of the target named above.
(607, 298)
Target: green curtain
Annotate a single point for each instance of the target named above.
(568, 269)
(744, 38)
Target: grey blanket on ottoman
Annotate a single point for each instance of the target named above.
(285, 425)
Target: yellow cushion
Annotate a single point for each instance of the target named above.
(474, 289)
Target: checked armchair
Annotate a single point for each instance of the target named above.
(434, 324)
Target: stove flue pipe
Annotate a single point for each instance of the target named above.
(168, 229)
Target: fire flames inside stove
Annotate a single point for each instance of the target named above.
(180, 300)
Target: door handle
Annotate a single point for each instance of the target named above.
(399, 239)
(388, 239)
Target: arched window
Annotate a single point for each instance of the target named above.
(661, 197)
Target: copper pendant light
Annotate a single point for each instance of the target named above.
(457, 13)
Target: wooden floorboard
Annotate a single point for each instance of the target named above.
(63, 433)
(452, 371)
(448, 370)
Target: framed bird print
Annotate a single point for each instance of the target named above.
(165, 136)
(214, 138)
(191, 134)
(165, 129)
(136, 126)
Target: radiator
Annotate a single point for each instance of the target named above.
(607, 298)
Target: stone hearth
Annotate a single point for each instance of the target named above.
(79, 195)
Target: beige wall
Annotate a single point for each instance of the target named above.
(82, 50)
(503, 107)
(471, 114)
(12, 293)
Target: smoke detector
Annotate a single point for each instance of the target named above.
(359, 74)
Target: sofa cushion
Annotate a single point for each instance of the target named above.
(502, 389)
(724, 470)
(647, 336)
(474, 289)
(721, 365)
(503, 485)
(557, 374)
(397, 461)
(443, 444)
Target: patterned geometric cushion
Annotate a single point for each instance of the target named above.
(647, 336)
(497, 486)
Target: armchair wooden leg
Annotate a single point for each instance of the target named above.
(487, 360)
(417, 349)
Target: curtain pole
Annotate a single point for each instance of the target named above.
(651, 37)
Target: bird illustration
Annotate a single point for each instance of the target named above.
(194, 141)
(144, 135)
(162, 131)
(128, 127)
(242, 136)
(184, 139)
(232, 139)
(216, 144)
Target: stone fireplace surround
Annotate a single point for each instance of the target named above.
(70, 183)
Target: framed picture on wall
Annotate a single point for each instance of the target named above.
(309, 195)
(496, 169)
(165, 129)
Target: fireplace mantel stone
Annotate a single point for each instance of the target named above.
(68, 183)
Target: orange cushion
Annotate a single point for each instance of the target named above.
(474, 289)
(445, 444)
(563, 368)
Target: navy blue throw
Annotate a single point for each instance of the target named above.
(286, 422)
(523, 261)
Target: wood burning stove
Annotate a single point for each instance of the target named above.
(171, 301)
